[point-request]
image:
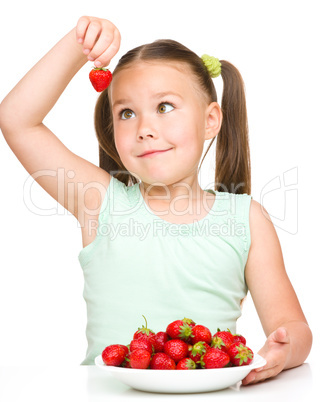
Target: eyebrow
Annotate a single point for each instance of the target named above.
(158, 95)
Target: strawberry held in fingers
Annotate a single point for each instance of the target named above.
(100, 78)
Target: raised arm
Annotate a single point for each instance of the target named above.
(24, 108)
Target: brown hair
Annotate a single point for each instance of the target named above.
(233, 167)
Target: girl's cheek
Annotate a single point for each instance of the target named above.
(123, 149)
(119, 139)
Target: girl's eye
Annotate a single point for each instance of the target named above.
(162, 107)
(127, 113)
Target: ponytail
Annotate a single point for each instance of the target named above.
(233, 165)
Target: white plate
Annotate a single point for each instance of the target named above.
(181, 381)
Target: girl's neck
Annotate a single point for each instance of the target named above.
(189, 189)
(179, 206)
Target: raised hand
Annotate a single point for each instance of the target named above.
(100, 39)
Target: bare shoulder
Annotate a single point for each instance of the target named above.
(264, 238)
(259, 217)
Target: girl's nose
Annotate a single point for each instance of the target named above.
(146, 129)
(142, 136)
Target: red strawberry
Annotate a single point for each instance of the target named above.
(240, 354)
(198, 350)
(176, 349)
(158, 341)
(126, 362)
(141, 343)
(100, 78)
(222, 340)
(114, 355)
(186, 364)
(179, 330)
(143, 331)
(201, 334)
(214, 358)
(189, 321)
(139, 359)
(161, 361)
(239, 338)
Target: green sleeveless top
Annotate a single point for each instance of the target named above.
(140, 264)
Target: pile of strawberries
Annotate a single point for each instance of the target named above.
(183, 346)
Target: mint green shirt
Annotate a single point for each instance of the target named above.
(140, 264)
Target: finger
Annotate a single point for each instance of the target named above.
(92, 33)
(262, 372)
(81, 28)
(273, 361)
(281, 335)
(104, 41)
(249, 378)
(105, 58)
(265, 374)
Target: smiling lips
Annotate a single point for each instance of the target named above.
(153, 152)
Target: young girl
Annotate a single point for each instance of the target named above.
(154, 242)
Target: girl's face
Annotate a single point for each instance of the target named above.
(157, 107)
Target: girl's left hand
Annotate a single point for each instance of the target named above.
(276, 351)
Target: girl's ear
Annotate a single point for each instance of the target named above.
(213, 122)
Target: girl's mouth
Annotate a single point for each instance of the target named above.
(153, 153)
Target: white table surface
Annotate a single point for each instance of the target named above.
(89, 383)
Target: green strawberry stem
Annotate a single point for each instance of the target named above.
(243, 354)
(190, 364)
(185, 332)
(198, 348)
(145, 320)
(145, 330)
(100, 68)
(188, 321)
(217, 342)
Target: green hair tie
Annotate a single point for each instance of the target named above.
(212, 64)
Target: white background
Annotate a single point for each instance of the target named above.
(276, 47)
